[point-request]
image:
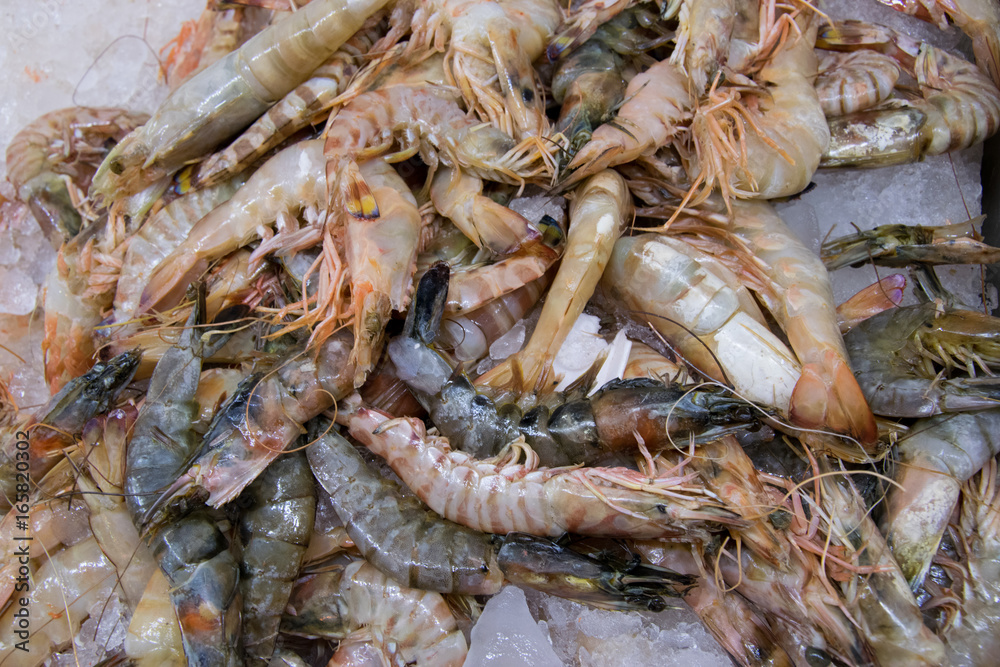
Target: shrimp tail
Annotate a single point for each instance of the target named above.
(878, 297)
(358, 197)
(828, 395)
(499, 227)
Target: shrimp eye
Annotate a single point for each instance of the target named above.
(116, 168)
(528, 94)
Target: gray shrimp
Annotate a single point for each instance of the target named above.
(58, 423)
(264, 416)
(579, 431)
(192, 552)
(397, 533)
(896, 356)
(227, 96)
(274, 531)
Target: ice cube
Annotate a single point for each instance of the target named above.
(507, 636)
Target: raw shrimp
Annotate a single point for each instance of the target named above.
(902, 245)
(827, 395)
(264, 416)
(702, 44)
(881, 601)
(487, 40)
(295, 111)
(192, 552)
(604, 581)
(979, 19)
(158, 237)
(893, 356)
(937, 456)
(701, 315)
(57, 424)
(728, 472)
(382, 256)
(227, 96)
(734, 622)
(497, 498)
(63, 591)
(358, 604)
(469, 335)
(60, 149)
(958, 106)
(599, 213)
(73, 304)
(789, 129)
(571, 432)
(849, 82)
(586, 18)
(589, 82)
(105, 438)
(458, 197)
(397, 533)
(432, 123)
(798, 604)
(280, 508)
(974, 635)
(658, 105)
(288, 182)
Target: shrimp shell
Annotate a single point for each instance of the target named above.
(545, 502)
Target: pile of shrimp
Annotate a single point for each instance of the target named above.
(281, 430)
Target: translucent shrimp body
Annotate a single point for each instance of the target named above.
(376, 618)
(382, 256)
(658, 105)
(827, 395)
(936, 458)
(703, 39)
(656, 275)
(608, 502)
(226, 97)
(288, 182)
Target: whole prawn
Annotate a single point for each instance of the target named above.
(192, 552)
(382, 256)
(658, 106)
(605, 502)
(224, 98)
(958, 105)
(827, 394)
(58, 150)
